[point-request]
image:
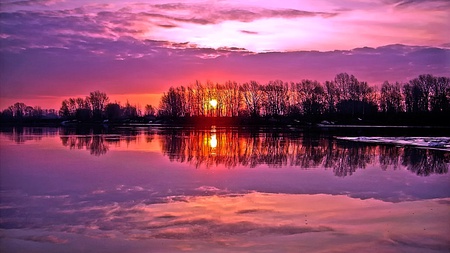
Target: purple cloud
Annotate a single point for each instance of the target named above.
(418, 3)
(249, 32)
(61, 52)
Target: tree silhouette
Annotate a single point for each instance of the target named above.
(253, 98)
(344, 98)
(391, 100)
(97, 101)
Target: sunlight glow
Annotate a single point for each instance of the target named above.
(213, 103)
(213, 141)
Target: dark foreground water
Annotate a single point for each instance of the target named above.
(218, 190)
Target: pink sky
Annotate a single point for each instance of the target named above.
(54, 49)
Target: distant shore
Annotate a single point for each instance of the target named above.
(353, 127)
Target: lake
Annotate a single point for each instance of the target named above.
(154, 189)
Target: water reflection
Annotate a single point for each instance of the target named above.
(100, 143)
(423, 163)
(97, 145)
(21, 135)
(232, 147)
(58, 198)
(254, 222)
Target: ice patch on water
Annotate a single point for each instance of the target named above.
(441, 143)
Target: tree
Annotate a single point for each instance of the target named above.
(18, 110)
(276, 98)
(234, 98)
(391, 100)
(113, 111)
(6, 115)
(64, 111)
(347, 86)
(354, 97)
(129, 111)
(440, 97)
(416, 96)
(171, 103)
(314, 103)
(252, 97)
(97, 101)
(149, 110)
(331, 96)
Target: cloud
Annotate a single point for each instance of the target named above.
(407, 3)
(78, 64)
(32, 2)
(125, 47)
(429, 5)
(46, 239)
(249, 32)
(167, 26)
(206, 14)
(37, 28)
(217, 13)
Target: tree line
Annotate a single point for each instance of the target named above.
(344, 97)
(97, 106)
(94, 107)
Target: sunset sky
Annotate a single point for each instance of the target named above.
(136, 50)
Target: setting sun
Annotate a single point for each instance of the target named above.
(213, 103)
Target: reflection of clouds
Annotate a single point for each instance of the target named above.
(435, 243)
(210, 189)
(248, 222)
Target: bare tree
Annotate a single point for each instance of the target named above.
(97, 101)
(276, 99)
(391, 100)
(252, 97)
(440, 97)
(149, 110)
(331, 96)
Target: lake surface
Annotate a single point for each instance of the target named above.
(218, 190)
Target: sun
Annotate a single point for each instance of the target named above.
(213, 103)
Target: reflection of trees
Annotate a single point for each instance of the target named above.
(424, 162)
(98, 144)
(344, 158)
(23, 134)
(389, 156)
(233, 147)
(274, 149)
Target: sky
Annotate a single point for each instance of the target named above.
(135, 50)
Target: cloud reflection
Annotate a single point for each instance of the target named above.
(250, 222)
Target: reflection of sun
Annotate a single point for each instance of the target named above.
(213, 141)
(213, 103)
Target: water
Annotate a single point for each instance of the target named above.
(218, 190)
